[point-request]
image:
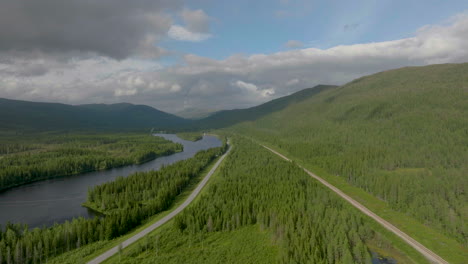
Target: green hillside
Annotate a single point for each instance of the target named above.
(259, 208)
(230, 117)
(396, 141)
(22, 115)
(400, 135)
(18, 115)
(196, 113)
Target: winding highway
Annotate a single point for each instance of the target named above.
(431, 256)
(163, 220)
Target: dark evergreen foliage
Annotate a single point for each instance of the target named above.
(154, 192)
(33, 116)
(400, 135)
(40, 157)
(311, 224)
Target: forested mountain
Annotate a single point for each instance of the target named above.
(231, 117)
(400, 135)
(196, 113)
(23, 115)
(396, 141)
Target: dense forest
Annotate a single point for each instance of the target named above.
(401, 135)
(307, 222)
(154, 189)
(154, 192)
(33, 157)
(398, 137)
(16, 115)
(227, 118)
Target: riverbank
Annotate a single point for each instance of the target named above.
(191, 136)
(34, 158)
(89, 252)
(60, 199)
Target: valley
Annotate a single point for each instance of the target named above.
(60, 199)
(393, 144)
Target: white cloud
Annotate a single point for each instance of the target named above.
(293, 82)
(252, 89)
(175, 88)
(123, 92)
(196, 26)
(234, 82)
(247, 86)
(180, 33)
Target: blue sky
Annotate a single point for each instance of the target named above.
(208, 54)
(262, 26)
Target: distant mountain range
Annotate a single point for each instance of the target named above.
(396, 140)
(230, 117)
(195, 113)
(32, 116)
(23, 115)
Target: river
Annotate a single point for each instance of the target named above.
(57, 200)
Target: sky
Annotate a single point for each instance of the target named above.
(207, 54)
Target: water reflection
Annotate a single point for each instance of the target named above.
(57, 200)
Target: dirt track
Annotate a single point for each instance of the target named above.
(163, 220)
(431, 256)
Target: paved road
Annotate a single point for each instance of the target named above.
(431, 256)
(163, 220)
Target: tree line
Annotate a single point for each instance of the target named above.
(192, 136)
(61, 155)
(309, 223)
(19, 244)
(150, 189)
(400, 135)
(417, 166)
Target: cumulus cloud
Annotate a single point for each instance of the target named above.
(252, 89)
(196, 28)
(294, 44)
(125, 92)
(234, 82)
(292, 82)
(113, 28)
(180, 33)
(289, 71)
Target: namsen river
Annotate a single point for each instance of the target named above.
(57, 200)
